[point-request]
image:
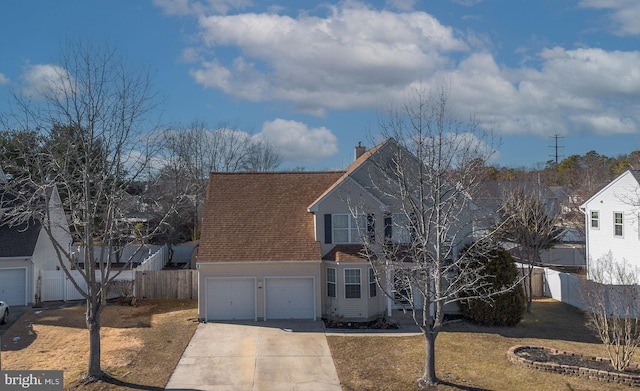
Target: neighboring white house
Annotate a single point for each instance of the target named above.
(26, 249)
(612, 221)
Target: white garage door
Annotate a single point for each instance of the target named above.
(231, 299)
(13, 286)
(289, 298)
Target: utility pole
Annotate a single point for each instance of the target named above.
(556, 146)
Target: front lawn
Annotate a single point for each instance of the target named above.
(470, 357)
(141, 345)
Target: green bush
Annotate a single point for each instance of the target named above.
(499, 271)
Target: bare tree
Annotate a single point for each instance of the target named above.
(425, 174)
(613, 308)
(191, 153)
(529, 221)
(261, 157)
(94, 115)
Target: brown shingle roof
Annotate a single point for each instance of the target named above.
(262, 216)
(345, 253)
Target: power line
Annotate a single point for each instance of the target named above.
(557, 147)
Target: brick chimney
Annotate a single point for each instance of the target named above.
(360, 150)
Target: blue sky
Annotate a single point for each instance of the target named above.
(312, 77)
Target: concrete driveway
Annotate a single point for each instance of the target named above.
(272, 355)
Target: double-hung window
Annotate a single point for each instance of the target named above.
(345, 228)
(331, 281)
(373, 289)
(352, 284)
(595, 219)
(617, 224)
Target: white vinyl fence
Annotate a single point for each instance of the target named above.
(156, 261)
(55, 285)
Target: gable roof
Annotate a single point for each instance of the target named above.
(18, 241)
(247, 216)
(353, 167)
(634, 173)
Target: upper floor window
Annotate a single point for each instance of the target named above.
(595, 219)
(617, 224)
(352, 284)
(345, 228)
(399, 228)
(331, 281)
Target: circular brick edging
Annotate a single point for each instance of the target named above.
(594, 374)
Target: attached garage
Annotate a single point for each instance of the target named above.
(289, 298)
(13, 286)
(229, 298)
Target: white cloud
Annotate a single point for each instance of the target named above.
(350, 58)
(298, 143)
(353, 56)
(46, 80)
(3, 79)
(624, 14)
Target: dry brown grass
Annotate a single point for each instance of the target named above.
(141, 345)
(470, 357)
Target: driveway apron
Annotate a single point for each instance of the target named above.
(272, 355)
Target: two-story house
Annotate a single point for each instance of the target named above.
(287, 245)
(612, 221)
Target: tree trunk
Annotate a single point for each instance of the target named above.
(94, 371)
(429, 378)
(529, 289)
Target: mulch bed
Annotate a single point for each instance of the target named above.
(378, 324)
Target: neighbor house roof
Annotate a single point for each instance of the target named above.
(634, 173)
(262, 216)
(18, 241)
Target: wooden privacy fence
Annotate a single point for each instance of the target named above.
(537, 281)
(166, 284)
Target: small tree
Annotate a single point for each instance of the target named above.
(529, 221)
(612, 301)
(505, 309)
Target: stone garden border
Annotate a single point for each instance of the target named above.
(594, 374)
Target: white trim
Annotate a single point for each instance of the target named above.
(313, 285)
(255, 293)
